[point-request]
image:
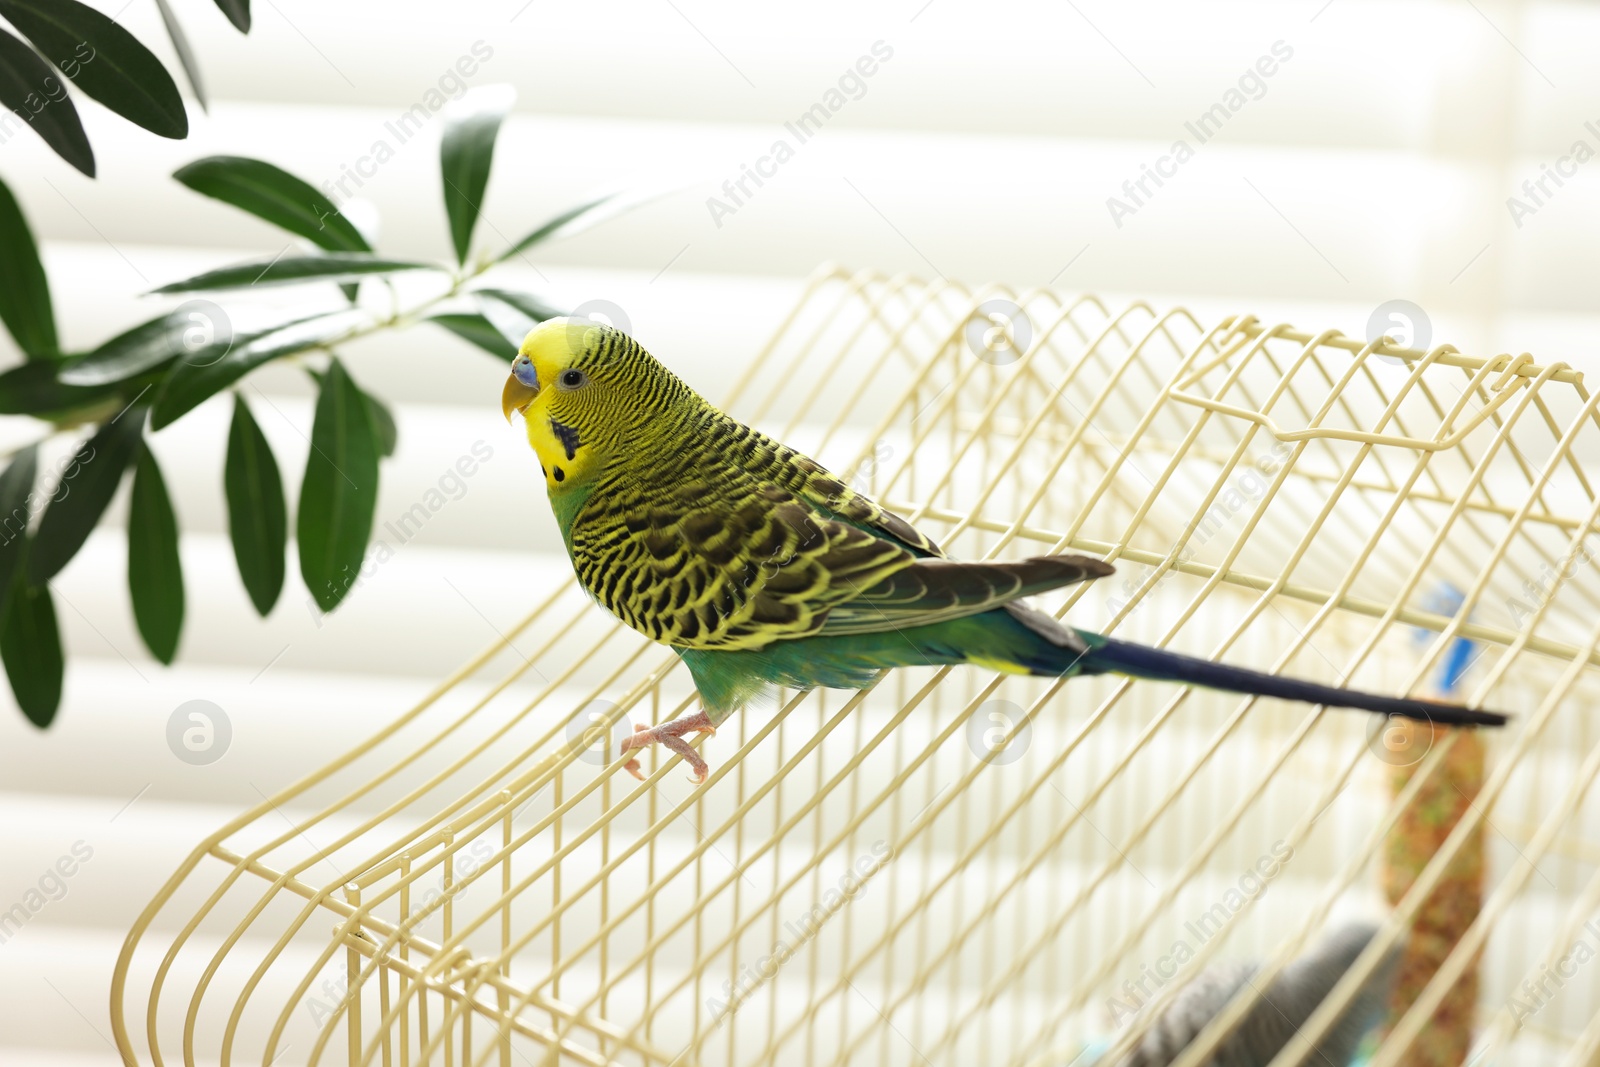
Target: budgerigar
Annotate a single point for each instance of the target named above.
(761, 569)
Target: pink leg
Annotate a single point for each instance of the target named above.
(670, 735)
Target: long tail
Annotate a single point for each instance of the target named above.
(1107, 654)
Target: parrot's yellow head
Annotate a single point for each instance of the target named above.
(585, 391)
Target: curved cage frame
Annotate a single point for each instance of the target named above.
(956, 866)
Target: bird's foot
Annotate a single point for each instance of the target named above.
(670, 735)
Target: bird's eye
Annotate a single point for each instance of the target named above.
(571, 379)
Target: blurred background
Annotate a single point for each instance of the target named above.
(1384, 158)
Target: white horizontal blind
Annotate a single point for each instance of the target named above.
(1374, 162)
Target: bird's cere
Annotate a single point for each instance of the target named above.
(523, 368)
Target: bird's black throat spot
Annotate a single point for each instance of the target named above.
(560, 474)
(568, 438)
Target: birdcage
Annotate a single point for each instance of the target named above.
(959, 867)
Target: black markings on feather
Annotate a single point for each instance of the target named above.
(660, 544)
(701, 526)
(568, 438)
(561, 475)
(608, 588)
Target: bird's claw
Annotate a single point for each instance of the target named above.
(670, 735)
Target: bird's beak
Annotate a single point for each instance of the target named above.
(516, 396)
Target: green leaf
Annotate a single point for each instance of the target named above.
(385, 432)
(258, 517)
(24, 290)
(30, 645)
(572, 218)
(580, 217)
(30, 89)
(275, 195)
(180, 45)
(15, 486)
(288, 270)
(145, 347)
(32, 389)
(466, 154)
(340, 490)
(189, 383)
(527, 303)
(28, 663)
(104, 60)
(238, 12)
(386, 435)
(86, 487)
(155, 575)
(513, 314)
(473, 327)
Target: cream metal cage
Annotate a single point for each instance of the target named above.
(958, 867)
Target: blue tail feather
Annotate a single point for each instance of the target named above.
(1142, 661)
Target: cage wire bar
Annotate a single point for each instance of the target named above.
(954, 866)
